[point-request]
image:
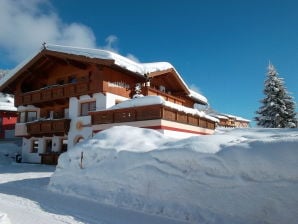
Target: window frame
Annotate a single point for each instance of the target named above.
(91, 106)
(24, 116)
(34, 146)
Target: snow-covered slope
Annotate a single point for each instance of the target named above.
(234, 176)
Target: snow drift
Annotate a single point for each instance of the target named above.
(8, 152)
(234, 176)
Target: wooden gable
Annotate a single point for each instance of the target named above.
(42, 67)
(170, 80)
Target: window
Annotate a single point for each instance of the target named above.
(64, 145)
(23, 117)
(34, 148)
(86, 107)
(60, 82)
(66, 113)
(48, 146)
(27, 116)
(31, 116)
(72, 79)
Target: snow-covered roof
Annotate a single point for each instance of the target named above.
(219, 116)
(227, 116)
(140, 68)
(124, 62)
(153, 100)
(242, 119)
(7, 102)
(197, 96)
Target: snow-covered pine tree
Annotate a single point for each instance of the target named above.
(278, 107)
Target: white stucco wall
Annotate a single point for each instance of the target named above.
(27, 156)
(56, 144)
(80, 126)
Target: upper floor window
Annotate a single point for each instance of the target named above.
(27, 116)
(72, 79)
(31, 116)
(87, 106)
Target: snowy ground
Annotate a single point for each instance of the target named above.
(132, 175)
(25, 199)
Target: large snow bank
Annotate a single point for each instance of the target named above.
(234, 176)
(4, 219)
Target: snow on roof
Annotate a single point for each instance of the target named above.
(197, 96)
(7, 102)
(227, 116)
(219, 116)
(242, 119)
(126, 63)
(140, 68)
(152, 100)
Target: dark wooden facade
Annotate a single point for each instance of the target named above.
(151, 112)
(48, 81)
(48, 127)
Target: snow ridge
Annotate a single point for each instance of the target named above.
(235, 176)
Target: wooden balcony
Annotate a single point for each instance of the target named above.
(54, 93)
(151, 112)
(149, 91)
(49, 127)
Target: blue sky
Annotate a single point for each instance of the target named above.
(221, 48)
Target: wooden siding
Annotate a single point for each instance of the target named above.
(119, 82)
(149, 91)
(54, 93)
(49, 127)
(151, 112)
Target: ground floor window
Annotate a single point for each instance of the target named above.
(64, 145)
(34, 148)
(48, 145)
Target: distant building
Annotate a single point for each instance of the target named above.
(8, 116)
(231, 121)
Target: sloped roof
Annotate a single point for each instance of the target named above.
(123, 62)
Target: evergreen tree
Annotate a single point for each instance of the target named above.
(278, 107)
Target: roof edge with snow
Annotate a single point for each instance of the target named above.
(119, 60)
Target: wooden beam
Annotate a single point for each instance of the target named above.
(158, 73)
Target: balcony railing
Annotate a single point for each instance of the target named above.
(151, 112)
(149, 91)
(48, 127)
(53, 93)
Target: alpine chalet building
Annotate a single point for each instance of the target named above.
(64, 95)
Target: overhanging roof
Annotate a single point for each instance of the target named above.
(104, 57)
